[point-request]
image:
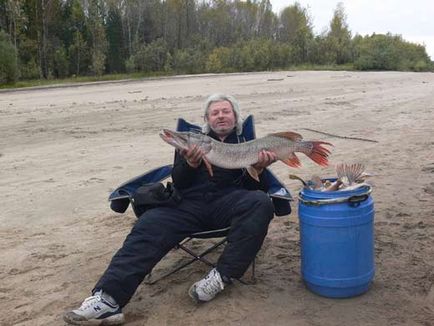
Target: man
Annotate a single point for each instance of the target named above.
(234, 198)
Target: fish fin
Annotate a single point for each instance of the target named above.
(289, 135)
(208, 166)
(292, 161)
(253, 173)
(319, 153)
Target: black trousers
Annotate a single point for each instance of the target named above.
(158, 230)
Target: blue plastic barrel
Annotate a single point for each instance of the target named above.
(337, 241)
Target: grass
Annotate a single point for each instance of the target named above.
(79, 79)
(114, 77)
(306, 66)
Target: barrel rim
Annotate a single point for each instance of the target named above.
(307, 196)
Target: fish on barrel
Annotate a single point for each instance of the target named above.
(349, 177)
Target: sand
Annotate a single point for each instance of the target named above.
(64, 149)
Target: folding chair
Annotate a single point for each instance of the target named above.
(121, 198)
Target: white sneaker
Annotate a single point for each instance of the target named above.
(99, 309)
(207, 288)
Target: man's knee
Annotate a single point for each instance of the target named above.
(261, 202)
(256, 219)
(153, 228)
(148, 221)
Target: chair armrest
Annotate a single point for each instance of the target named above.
(120, 197)
(280, 196)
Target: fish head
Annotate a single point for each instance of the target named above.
(178, 140)
(184, 140)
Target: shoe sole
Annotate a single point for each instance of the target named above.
(192, 293)
(118, 319)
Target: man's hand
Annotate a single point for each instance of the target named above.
(265, 158)
(193, 155)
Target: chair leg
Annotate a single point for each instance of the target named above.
(196, 257)
(150, 281)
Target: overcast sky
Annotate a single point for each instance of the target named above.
(414, 20)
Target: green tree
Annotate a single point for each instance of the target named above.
(78, 52)
(43, 16)
(389, 52)
(216, 22)
(296, 29)
(73, 20)
(179, 22)
(339, 37)
(12, 20)
(98, 44)
(218, 60)
(266, 20)
(116, 53)
(243, 17)
(142, 21)
(61, 63)
(318, 55)
(188, 61)
(151, 57)
(8, 63)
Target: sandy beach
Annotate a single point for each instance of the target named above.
(64, 149)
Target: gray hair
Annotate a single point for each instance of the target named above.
(218, 98)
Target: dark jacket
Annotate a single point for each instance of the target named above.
(190, 180)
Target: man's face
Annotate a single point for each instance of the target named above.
(221, 118)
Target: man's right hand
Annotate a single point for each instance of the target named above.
(193, 155)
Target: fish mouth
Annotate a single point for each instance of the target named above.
(173, 138)
(169, 134)
(165, 133)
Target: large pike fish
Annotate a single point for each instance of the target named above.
(243, 155)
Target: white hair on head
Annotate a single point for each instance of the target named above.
(218, 98)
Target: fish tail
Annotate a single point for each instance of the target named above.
(319, 154)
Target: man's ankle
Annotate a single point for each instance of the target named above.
(226, 279)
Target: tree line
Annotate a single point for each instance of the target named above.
(61, 38)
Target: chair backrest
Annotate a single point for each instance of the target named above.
(120, 198)
(248, 127)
